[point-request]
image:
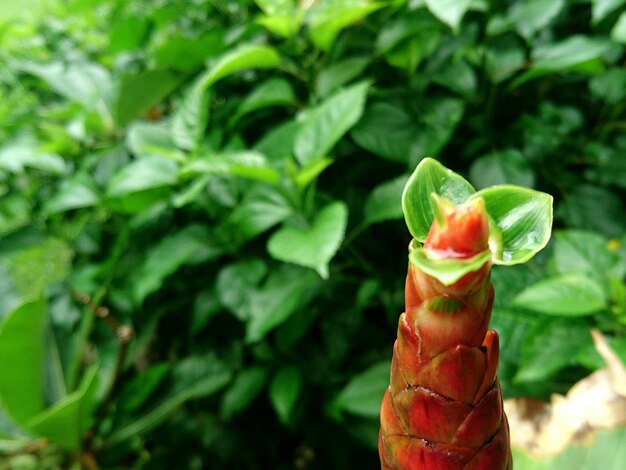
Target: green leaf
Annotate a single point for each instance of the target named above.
(531, 16)
(447, 270)
(277, 143)
(327, 19)
(605, 449)
(310, 171)
(286, 290)
(600, 9)
(363, 395)
(243, 391)
(194, 377)
(282, 17)
(77, 192)
(564, 56)
(336, 75)
(245, 56)
(191, 117)
(284, 391)
(449, 11)
(142, 174)
(584, 252)
(429, 177)
(522, 219)
(459, 77)
(22, 361)
(618, 33)
(236, 285)
(610, 86)
(38, 265)
(385, 201)
(66, 421)
(273, 92)
(315, 245)
(246, 164)
(261, 209)
(178, 49)
(580, 209)
(571, 295)
(550, 346)
(135, 392)
(324, 126)
(503, 167)
(387, 131)
(152, 139)
(168, 256)
(138, 93)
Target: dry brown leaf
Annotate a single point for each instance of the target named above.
(597, 402)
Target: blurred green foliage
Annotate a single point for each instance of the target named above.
(202, 252)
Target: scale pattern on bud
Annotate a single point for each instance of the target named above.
(443, 408)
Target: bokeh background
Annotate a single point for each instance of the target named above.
(202, 251)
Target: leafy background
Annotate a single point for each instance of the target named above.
(202, 252)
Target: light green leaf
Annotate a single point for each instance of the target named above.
(22, 361)
(287, 290)
(600, 9)
(142, 174)
(550, 346)
(447, 270)
(243, 391)
(503, 167)
(327, 19)
(282, 17)
(532, 16)
(449, 11)
(429, 177)
(571, 295)
(246, 56)
(74, 193)
(152, 139)
(521, 221)
(166, 257)
(246, 164)
(385, 201)
(363, 395)
(325, 125)
(138, 93)
(313, 246)
(284, 392)
(179, 50)
(66, 421)
(610, 86)
(618, 33)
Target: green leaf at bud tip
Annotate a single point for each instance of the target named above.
(446, 270)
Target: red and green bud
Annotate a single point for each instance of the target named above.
(443, 408)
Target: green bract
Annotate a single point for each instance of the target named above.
(520, 218)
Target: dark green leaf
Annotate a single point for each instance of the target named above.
(260, 210)
(333, 77)
(236, 286)
(286, 290)
(243, 391)
(601, 8)
(284, 391)
(274, 92)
